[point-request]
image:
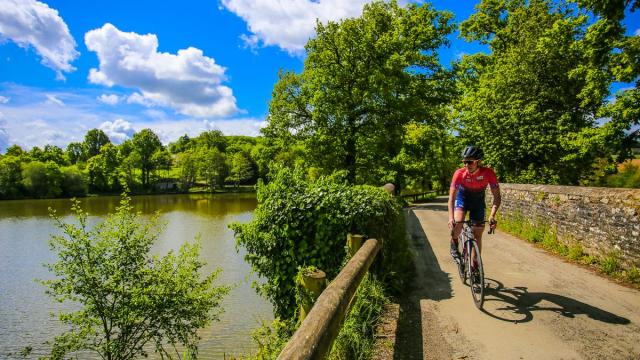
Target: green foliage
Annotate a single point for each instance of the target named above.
(532, 102)
(128, 300)
(241, 168)
(10, 177)
(301, 223)
(610, 263)
(629, 177)
(94, 140)
(42, 180)
(212, 167)
(271, 339)
(364, 78)
(356, 337)
(74, 182)
(144, 145)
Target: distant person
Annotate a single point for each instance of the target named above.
(466, 195)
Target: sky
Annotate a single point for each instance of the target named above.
(68, 66)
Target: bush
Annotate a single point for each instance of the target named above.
(74, 182)
(126, 300)
(300, 222)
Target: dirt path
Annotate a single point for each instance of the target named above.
(537, 307)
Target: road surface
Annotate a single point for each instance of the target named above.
(537, 307)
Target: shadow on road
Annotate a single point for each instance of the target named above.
(431, 283)
(437, 204)
(518, 304)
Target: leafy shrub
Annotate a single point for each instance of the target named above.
(300, 222)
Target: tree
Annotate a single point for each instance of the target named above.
(129, 300)
(15, 150)
(188, 168)
(532, 103)
(213, 167)
(73, 182)
(145, 143)
(10, 177)
(42, 179)
(363, 79)
(103, 169)
(241, 168)
(181, 145)
(212, 139)
(94, 140)
(75, 153)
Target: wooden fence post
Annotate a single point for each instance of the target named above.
(354, 242)
(312, 283)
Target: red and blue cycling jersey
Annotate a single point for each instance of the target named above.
(470, 190)
(466, 182)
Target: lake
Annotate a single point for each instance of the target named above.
(25, 229)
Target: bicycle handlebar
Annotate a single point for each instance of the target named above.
(492, 228)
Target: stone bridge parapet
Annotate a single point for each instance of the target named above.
(602, 220)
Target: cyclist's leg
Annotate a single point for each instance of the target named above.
(476, 214)
(458, 216)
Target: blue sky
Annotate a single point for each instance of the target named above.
(67, 66)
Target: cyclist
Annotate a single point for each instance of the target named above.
(466, 194)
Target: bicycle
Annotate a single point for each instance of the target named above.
(465, 270)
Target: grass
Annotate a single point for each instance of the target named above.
(546, 236)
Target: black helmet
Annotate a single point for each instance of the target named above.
(472, 152)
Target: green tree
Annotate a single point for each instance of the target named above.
(183, 144)
(212, 139)
(75, 152)
(103, 169)
(73, 182)
(187, 168)
(15, 150)
(532, 103)
(129, 300)
(55, 154)
(241, 168)
(145, 144)
(363, 79)
(93, 141)
(212, 167)
(42, 179)
(10, 177)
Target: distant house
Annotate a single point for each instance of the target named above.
(167, 185)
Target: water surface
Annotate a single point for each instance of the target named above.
(25, 228)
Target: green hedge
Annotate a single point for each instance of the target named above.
(301, 222)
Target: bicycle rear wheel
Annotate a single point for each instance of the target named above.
(476, 283)
(461, 261)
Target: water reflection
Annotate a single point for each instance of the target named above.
(24, 233)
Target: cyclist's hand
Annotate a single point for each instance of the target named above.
(492, 225)
(451, 223)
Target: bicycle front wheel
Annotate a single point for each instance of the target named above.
(476, 278)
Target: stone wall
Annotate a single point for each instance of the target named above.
(602, 220)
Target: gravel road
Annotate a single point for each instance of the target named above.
(537, 305)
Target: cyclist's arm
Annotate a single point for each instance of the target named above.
(497, 199)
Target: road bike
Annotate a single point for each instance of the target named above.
(465, 270)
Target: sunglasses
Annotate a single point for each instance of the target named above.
(467, 162)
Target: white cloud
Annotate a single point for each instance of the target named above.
(4, 99)
(118, 130)
(289, 24)
(110, 99)
(32, 23)
(637, 33)
(188, 81)
(30, 119)
(137, 98)
(53, 100)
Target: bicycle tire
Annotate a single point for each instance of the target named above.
(476, 285)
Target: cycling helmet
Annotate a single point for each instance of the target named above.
(472, 152)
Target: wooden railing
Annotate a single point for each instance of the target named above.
(315, 336)
(415, 197)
